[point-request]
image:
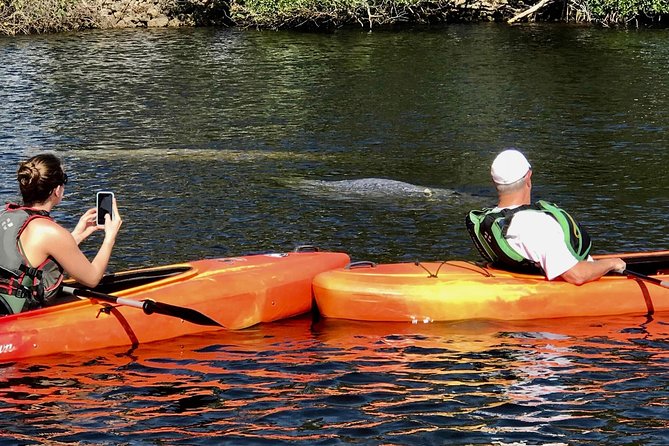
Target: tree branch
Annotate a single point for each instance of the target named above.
(529, 11)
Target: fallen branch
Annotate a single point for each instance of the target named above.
(529, 11)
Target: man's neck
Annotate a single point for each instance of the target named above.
(509, 200)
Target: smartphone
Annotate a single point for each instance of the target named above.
(104, 202)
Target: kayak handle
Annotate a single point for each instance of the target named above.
(361, 264)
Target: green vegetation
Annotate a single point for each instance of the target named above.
(326, 14)
(633, 13)
(40, 16)
(331, 14)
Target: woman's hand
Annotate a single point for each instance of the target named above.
(112, 225)
(86, 226)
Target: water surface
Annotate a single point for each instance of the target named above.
(213, 140)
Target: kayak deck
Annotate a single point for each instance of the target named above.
(458, 290)
(236, 292)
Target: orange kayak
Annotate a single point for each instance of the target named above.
(458, 290)
(236, 292)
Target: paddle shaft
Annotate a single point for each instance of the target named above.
(663, 283)
(148, 306)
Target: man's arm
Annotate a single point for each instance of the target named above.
(587, 271)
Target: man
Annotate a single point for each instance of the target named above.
(521, 236)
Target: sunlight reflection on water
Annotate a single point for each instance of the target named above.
(545, 381)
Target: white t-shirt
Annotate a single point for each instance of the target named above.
(538, 237)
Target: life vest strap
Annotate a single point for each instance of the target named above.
(34, 273)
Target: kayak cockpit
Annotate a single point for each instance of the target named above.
(651, 264)
(114, 282)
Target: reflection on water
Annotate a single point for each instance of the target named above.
(554, 381)
(211, 140)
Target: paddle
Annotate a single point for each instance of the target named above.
(663, 283)
(148, 306)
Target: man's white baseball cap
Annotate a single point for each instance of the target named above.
(509, 167)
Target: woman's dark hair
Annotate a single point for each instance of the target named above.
(38, 177)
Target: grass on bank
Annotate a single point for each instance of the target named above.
(40, 16)
(370, 13)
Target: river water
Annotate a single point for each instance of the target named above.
(222, 142)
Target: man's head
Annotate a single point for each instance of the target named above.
(509, 170)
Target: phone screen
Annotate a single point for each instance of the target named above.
(104, 202)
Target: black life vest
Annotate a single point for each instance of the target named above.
(23, 287)
(488, 229)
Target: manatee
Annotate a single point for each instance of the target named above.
(377, 187)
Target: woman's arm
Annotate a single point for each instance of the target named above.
(43, 238)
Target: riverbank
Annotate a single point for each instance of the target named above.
(40, 16)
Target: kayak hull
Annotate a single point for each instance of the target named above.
(457, 290)
(236, 292)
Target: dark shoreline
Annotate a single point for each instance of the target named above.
(44, 16)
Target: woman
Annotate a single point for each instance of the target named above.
(35, 250)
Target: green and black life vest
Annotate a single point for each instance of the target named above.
(488, 229)
(23, 287)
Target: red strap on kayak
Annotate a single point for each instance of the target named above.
(132, 337)
(646, 297)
